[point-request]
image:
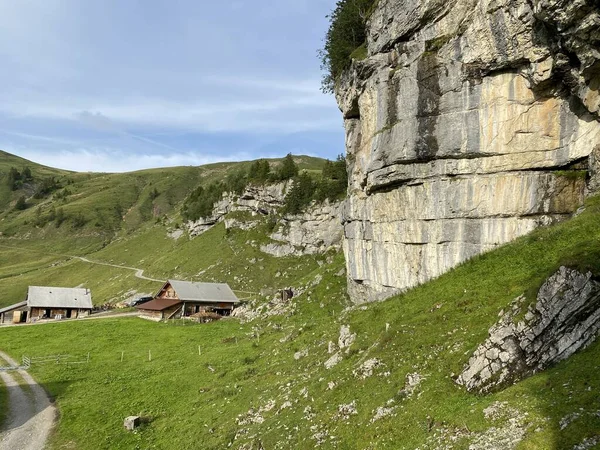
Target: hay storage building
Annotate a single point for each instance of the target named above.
(49, 303)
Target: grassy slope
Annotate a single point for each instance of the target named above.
(193, 399)
(111, 203)
(137, 236)
(214, 256)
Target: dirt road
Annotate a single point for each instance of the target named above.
(31, 415)
(139, 273)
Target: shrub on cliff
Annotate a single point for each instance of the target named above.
(288, 168)
(21, 203)
(259, 171)
(200, 202)
(300, 195)
(14, 180)
(347, 32)
(334, 181)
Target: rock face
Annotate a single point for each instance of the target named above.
(565, 319)
(469, 123)
(314, 231)
(263, 200)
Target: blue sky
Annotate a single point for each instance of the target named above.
(119, 85)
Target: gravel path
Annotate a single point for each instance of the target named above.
(139, 273)
(95, 316)
(30, 413)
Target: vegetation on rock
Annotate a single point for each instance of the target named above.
(331, 185)
(346, 34)
(328, 183)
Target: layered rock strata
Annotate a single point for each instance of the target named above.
(565, 318)
(469, 123)
(316, 230)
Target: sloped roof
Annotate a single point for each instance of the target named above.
(11, 307)
(58, 297)
(203, 292)
(159, 304)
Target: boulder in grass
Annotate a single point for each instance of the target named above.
(132, 422)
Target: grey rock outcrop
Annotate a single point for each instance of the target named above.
(565, 318)
(263, 200)
(469, 123)
(316, 230)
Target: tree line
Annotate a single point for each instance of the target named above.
(331, 184)
(42, 188)
(201, 201)
(16, 179)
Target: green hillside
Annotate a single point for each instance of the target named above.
(263, 384)
(112, 218)
(101, 205)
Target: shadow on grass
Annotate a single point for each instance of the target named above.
(24, 402)
(563, 404)
(568, 394)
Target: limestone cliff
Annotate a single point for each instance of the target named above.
(316, 230)
(468, 124)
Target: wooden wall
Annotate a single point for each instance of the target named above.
(160, 315)
(169, 292)
(193, 308)
(38, 313)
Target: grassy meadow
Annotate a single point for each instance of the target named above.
(124, 219)
(265, 383)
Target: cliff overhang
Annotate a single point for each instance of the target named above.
(469, 124)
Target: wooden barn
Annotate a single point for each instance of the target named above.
(49, 303)
(160, 309)
(17, 313)
(178, 299)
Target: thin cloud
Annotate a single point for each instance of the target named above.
(103, 123)
(216, 80)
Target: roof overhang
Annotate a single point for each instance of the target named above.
(159, 304)
(13, 307)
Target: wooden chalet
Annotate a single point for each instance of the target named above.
(49, 303)
(178, 299)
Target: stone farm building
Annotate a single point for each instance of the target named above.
(183, 298)
(49, 303)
